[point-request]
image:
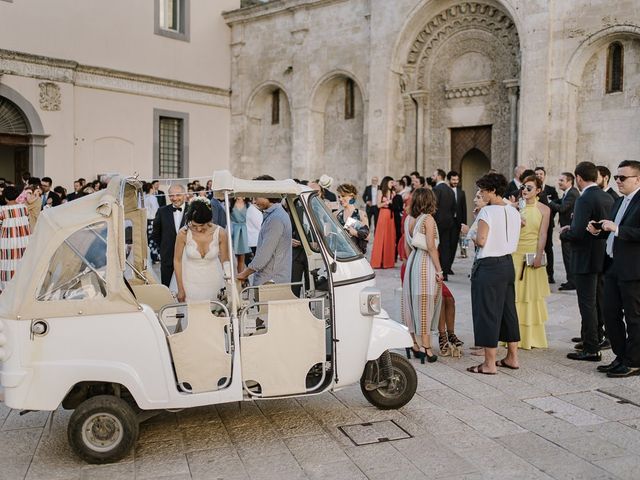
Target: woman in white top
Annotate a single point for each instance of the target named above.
(493, 277)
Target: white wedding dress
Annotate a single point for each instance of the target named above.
(202, 277)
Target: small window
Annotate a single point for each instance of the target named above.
(172, 19)
(171, 147)
(275, 107)
(78, 268)
(615, 67)
(349, 103)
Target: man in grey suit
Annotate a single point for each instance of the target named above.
(564, 208)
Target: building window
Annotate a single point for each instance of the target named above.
(615, 67)
(170, 144)
(349, 104)
(172, 18)
(275, 107)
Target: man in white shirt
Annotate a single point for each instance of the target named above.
(370, 197)
(169, 219)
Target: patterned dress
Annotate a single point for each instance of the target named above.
(14, 237)
(421, 293)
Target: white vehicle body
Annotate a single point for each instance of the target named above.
(72, 327)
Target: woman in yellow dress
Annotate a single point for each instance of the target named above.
(532, 285)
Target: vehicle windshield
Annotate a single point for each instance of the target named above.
(332, 233)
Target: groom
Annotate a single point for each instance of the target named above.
(169, 219)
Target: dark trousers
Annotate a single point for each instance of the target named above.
(623, 329)
(372, 214)
(493, 301)
(166, 272)
(455, 239)
(548, 249)
(446, 237)
(589, 287)
(566, 259)
(299, 269)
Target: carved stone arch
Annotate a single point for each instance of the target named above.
(36, 135)
(267, 140)
(338, 141)
(459, 17)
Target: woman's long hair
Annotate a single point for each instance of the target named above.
(384, 186)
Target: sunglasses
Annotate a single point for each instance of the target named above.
(528, 188)
(623, 178)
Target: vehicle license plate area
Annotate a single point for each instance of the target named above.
(369, 433)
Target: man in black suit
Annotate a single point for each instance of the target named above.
(48, 194)
(460, 214)
(77, 191)
(370, 197)
(445, 219)
(587, 260)
(622, 277)
(160, 196)
(549, 194)
(564, 208)
(604, 177)
(513, 189)
(169, 219)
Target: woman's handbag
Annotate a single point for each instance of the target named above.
(530, 258)
(419, 239)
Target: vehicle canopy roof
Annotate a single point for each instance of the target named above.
(224, 181)
(111, 205)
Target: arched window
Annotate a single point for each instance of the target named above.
(275, 107)
(615, 67)
(349, 99)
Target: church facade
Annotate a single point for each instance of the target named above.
(357, 88)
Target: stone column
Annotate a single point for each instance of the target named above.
(513, 87)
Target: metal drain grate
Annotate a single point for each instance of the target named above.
(374, 432)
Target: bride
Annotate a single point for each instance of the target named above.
(200, 253)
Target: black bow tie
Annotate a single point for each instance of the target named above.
(177, 209)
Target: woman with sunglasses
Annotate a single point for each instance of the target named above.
(200, 253)
(532, 283)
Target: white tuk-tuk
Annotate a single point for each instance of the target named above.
(84, 324)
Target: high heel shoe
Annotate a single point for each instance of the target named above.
(430, 358)
(445, 347)
(416, 353)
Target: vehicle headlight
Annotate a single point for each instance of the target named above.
(370, 302)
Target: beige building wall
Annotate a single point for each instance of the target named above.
(95, 74)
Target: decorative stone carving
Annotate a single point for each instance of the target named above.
(50, 96)
(461, 17)
(469, 90)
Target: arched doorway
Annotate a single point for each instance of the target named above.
(474, 164)
(14, 141)
(21, 136)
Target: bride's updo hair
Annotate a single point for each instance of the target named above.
(200, 211)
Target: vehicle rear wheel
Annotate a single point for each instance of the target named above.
(103, 429)
(398, 391)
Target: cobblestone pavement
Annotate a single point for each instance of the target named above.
(553, 418)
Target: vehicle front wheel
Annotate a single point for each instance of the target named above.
(103, 429)
(389, 393)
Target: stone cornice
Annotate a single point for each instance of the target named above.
(467, 90)
(273, 7)
(66, 71)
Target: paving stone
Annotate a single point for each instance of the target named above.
(15, 421)
(433, 458)
(197, 416)
(626, 468)
(377, 458)
(515, 410)
(4, 412)
(222, 463)
(591, 446)
(14, 467)
(22, 442)
(155, 459)
(552, 428)
(293, 424)
(316, 450)
(487, 422)
(279, 466)
(205, 437)
(116, 471)
(342, 470)
(603, 405)
(572, 414)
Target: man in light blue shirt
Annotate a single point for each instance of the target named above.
(272, 261)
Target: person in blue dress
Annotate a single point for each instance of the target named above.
(239, 232)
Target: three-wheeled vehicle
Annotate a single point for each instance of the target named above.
(83, 323)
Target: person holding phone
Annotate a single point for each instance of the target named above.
(587, 262)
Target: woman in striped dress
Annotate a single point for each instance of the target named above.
(422, 288)
(14, 235)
